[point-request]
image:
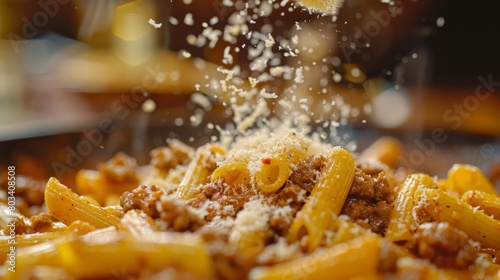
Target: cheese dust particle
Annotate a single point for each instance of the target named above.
(154, 24)
(188, 19)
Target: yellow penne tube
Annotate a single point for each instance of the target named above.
(112, 200)
(25, 240)
(486, 202)
(391, 251)
(343, 261)
(489, 268)
(326, 199)
(48, 254)
(403, 219)
(273, 173)
(45, 253)
(444, 185)
(463, 177)
(138, 223)
(249, 242)
(67, 207)
(249, 234)
(104, 253)
(199, 170)
(345, 230)
(115, 210)
(446, 208)
(89, 183)
(99, 258)
(233, 174)
(385, 149)
(94, 184)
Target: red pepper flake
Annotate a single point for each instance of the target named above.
(266, 160)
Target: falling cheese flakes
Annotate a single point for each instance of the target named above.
(269, 57)
(154, 24)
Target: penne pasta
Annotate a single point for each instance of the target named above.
(342, 261)
(45, 254)
(250, 234)
(26, 240)
(386, 150)
(326, 199)
(463, 177)
(292, 211)
(101, 253)
(68, 207)
(115, 210)
(403, 220)
(27, 259)
(233, 174)
(446, 208)
(199, 170)
(114, 177)
(486, 202)
(88, 182)
(137, 223)
(273, 173)
(99, 257)
(345, 230)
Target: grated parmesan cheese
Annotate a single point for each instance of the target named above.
(154, 24)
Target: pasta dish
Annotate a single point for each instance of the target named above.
(269, 206)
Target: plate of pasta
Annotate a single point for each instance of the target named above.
(278, 205)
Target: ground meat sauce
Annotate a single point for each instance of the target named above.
(224, 197)
(41, 222)
(37, 223)
(166, 158)
(442, 244)
(143, 198)
(21, 226)
(370, 200)
(307, 171)
(120, 168)
(288, 196)
(292, 194)
(176, 215)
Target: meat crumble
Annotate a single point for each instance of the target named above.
(175, 214)
(166, 158)
(370, 200)
(443, 245)
(37, 223)
(120, 168)
(143, 198)
(307, 171)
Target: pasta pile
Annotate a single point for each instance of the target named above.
(279, 206)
